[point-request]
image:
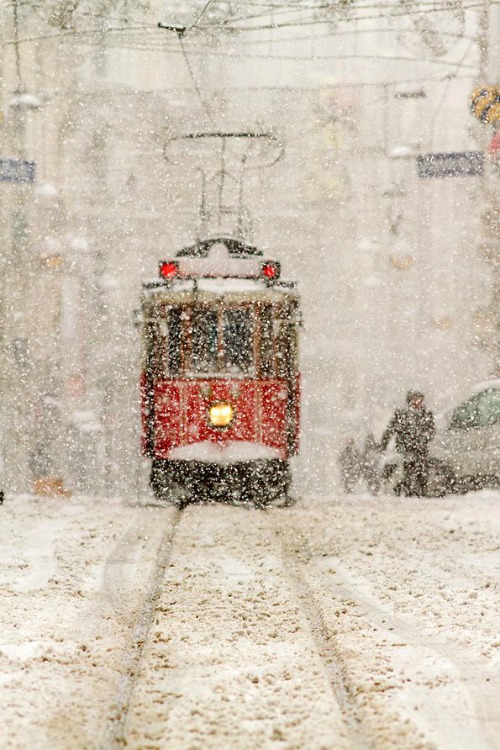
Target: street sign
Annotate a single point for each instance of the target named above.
(451, 164)
(17, 170)
(485, 103)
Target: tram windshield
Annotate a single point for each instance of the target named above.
(233, 341)
(237, 334)
(222, 341)
(204, 341)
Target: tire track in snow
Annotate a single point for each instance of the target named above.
(358, 735)
(480, 698)
(412, 690)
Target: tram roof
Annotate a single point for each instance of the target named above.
(236, 248)
(183, 291)
(221, 258)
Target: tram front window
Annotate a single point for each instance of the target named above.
(204, 337)
(222, 341)
(237, 326)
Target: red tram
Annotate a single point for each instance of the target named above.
(220, 380)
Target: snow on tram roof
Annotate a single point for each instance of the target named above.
(235, 248)
(221, 286)
(219, 266)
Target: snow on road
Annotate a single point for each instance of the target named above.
(408, 592)
(73, 581)
(355, 622)
(231, 662)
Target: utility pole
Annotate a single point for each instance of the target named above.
(17, 268)
(489, 72)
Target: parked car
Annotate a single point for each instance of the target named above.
(468, 439)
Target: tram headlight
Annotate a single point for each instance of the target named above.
(221, 414)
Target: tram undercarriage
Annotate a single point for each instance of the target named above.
(257, 482)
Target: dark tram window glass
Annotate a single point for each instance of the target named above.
(204, 340)
(286, 340)
(266, 342)
(238, 339)
(151, 351)
(174, 340)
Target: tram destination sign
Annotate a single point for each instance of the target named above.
(450, 164)
(17, 170)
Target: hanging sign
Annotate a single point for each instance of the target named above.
(451, 164)
(484, 103)
(17, 170)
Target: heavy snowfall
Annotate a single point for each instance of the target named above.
(361, 614)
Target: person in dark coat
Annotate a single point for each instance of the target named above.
(370, 464)
(350, 465)
(40, 463)
(413, 429)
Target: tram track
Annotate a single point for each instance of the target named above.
(350, 728)
(190, 638)
(230, 662)
(230, 628)
(113, 737)
(156, 683)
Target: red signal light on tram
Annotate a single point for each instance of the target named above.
(169, 269)
(270, 270)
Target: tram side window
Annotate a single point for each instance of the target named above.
(204, 349)
(238, 339)
(174, 340)
(266, 342)
(151, 350)
(286, 339)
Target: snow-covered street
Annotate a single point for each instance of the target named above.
(351, 622)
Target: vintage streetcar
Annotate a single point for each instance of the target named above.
(220, 384)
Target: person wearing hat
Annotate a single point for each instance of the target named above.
(413, 429)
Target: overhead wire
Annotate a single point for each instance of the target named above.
(345, 84)
(156, 44)
(140, 47)
(197, 89)
(320, 21)
(151, 44)
(338, 32)
(201, 14)
(130, 26)
(433, 6)
(290, 8)
(187, 62)
(311, 22)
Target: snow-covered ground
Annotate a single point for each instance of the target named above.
(350, 622)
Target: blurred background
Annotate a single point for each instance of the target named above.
(396, 250)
